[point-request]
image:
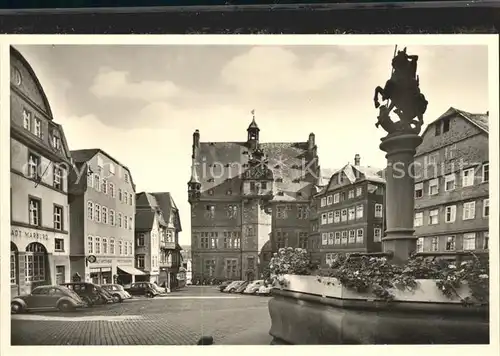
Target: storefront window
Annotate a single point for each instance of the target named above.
(34, 263)
(13, 269)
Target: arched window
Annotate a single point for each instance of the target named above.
(90, 245)
(13, 263)
(97, 212)
(97, 241)
(34, 263)
(90, 210)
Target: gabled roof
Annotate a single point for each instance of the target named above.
(167, 205)
(221, 162)
(481, 121)
(356, 174)
(146, 201)
(85, 155)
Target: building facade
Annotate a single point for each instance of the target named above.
(451, 184)
(349, 212)
(40, 161)
(239, 193)
(158, 252)
(102, 203)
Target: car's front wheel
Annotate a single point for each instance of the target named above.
(65, 306)
(149, 295)
(16, 308)
(117, 298)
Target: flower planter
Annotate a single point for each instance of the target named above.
(308, 311)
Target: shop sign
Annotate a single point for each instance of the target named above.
(104, 261)
(127, 261)
(31, 235)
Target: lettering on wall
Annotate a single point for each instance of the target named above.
(38, 236)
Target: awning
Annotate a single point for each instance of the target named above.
(131, 270)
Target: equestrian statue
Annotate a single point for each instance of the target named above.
(402, 96)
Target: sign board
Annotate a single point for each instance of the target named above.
(91, 259)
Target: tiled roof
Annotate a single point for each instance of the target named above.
(167, 206)
(220, 165)
(358, 173)
(144, 220)
(479, 120)
(148, 201)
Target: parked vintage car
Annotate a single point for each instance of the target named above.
(147, 289)
(232, 286)
(45, 298)
(264, 290)
(241, 287)
(117, 292)
(223, 285)
(253, 287)
(92, 294)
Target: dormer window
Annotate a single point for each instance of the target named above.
(56, 141)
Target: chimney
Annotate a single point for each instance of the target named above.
(311, 142)
(196, 142)
(357, 159)
(488, 113)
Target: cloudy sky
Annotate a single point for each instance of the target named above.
(141, 104)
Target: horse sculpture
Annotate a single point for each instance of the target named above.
(402, 93)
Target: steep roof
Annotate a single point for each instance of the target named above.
(479, 120)
(356, 174)
(144, 220)
(221, 163)
(168, 207)
(85, 155)
(146, 201)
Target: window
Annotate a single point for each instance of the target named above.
(59, 244)
(450, 243)
(359, 211)
(434, 244)
(486, 172)
(359, 236)
(351, 213)
(352, 236)
(329, 200)
(34, 263)
(112, 190)
(140, 261)
(119, 220)
(13, 267)
(330, 238)
(281, 239)
(377, 234)
(210, 211)
(229, 192)
(281, 212)
(378, 210)
(324, 219)
(449, 182)
(486, 240)
(437, 129)
(420, 244)
(432, 159)
(38, 127)
(486, 208)
(125, 177)
(33, 166)
(303, 240)
(329, 258)
(97, 245)
(90, 210)
(469, 210)
(324, 238)
(469, 242)
(204, 240)
(336, 217)
(323, 202)
(58, 177)
(419, 219)
(104, 217)
(446, 124)
(130, 223)
(330, 217)
(58, 217)
(130, 250)
(351, 194)
(35, 210)
(100, 162)
(468, 177)
(450, 151)
(337, 238)
(90, 245)
(27, 119)
(434, 186)
(120, 194)
(97, 212)
(90, 177)
(125, 221)
(231, 268)
(344, 237)
(450, 213)
(120, 248)
(434, 217)
(359, 191)
(342, 196)
(111, 217)
(104, 246)
(213, 241)
(209, 267)
(344, 215)
(232, 211)
(104, 186)
(97, 182)
(263, 185)
(125, 248)
(336, 198)
(125, 197)
(111, 246)
(419, 190)
(302, 212)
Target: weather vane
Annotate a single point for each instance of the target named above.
(253, 113)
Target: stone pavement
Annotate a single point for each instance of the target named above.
(177, 319)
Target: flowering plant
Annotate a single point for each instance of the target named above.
(288, 261)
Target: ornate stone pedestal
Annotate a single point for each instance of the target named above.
(399, 205)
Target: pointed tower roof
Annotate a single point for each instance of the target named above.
(194, 174)
(253, 125)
